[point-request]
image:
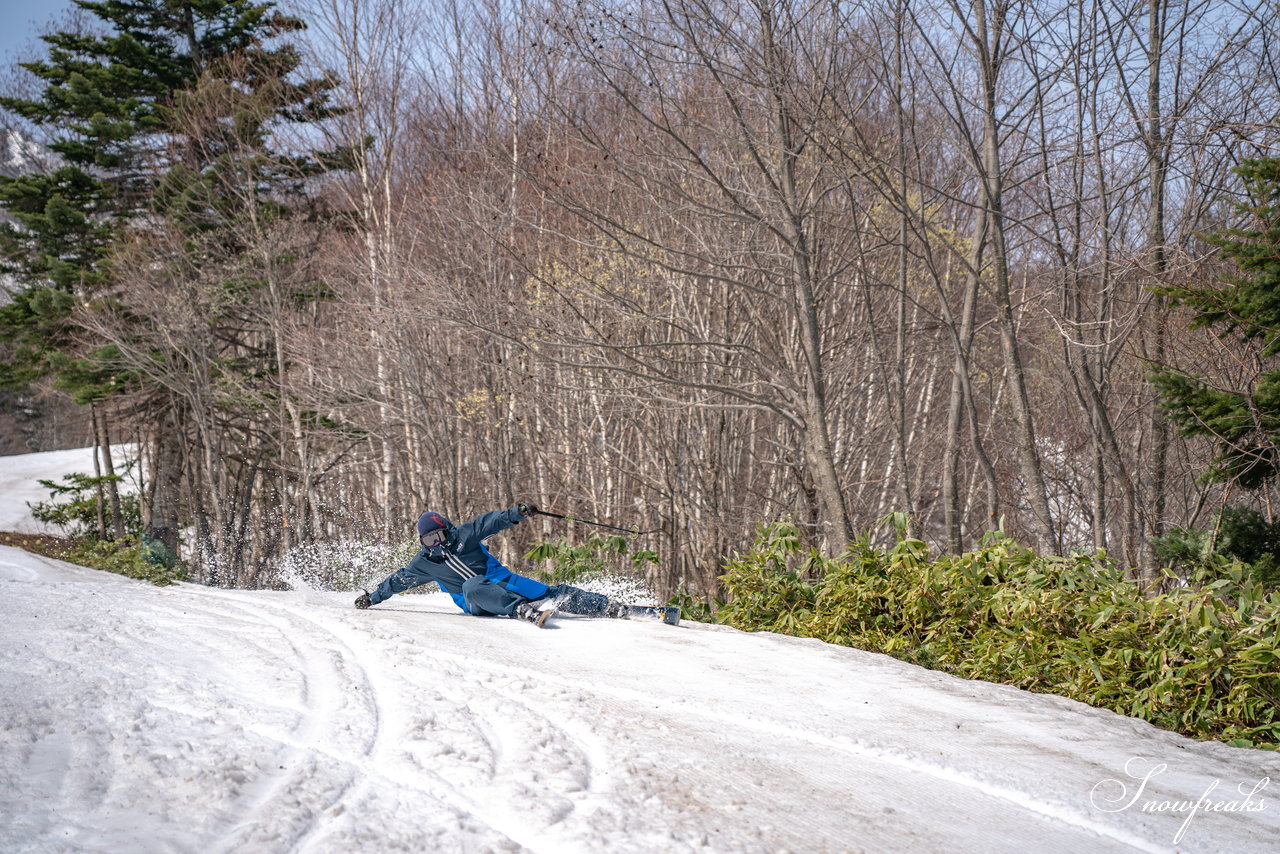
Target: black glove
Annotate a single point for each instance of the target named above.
(527, 508)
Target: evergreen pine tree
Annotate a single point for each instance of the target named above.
(104, 100)
(1246, 306)
(159, 123)
(108, 101)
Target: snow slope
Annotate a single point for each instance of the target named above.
(19, 476)
(190, 719)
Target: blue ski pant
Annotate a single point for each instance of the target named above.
(484, 598)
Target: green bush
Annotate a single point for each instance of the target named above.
(1201, 659)
(73, 505)
(598, 555)
(134, 557)
(694, 607)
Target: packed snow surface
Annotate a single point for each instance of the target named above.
(190, 719)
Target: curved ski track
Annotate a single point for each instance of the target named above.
(346, 743)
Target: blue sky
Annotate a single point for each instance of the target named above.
(22, 20)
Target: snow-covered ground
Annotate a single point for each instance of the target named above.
(189, 719)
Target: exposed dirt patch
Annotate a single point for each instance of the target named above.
(41, 544)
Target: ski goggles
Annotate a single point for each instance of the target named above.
(434, 538)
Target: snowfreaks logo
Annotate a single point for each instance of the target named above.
(1120, 795)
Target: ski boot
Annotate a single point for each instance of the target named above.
(531, 613)
(364, 601)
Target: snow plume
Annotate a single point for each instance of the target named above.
(619, 588)
(345, 565)
(342, 564)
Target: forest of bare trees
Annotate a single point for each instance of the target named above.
(700, 264)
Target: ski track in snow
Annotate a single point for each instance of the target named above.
(373, 759)
(856, 751)
(192, 719)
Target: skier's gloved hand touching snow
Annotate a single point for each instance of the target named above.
(527, 508)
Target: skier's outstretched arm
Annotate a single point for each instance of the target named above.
(398, 582)
(486, 525)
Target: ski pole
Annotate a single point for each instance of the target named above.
(597, 524)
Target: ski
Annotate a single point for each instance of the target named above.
(667, 614)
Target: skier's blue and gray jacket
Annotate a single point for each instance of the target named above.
(461, 556)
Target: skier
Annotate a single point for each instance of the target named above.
(456, 559)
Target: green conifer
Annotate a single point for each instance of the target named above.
(1246, 306)
(109, 104)
(162, 122)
